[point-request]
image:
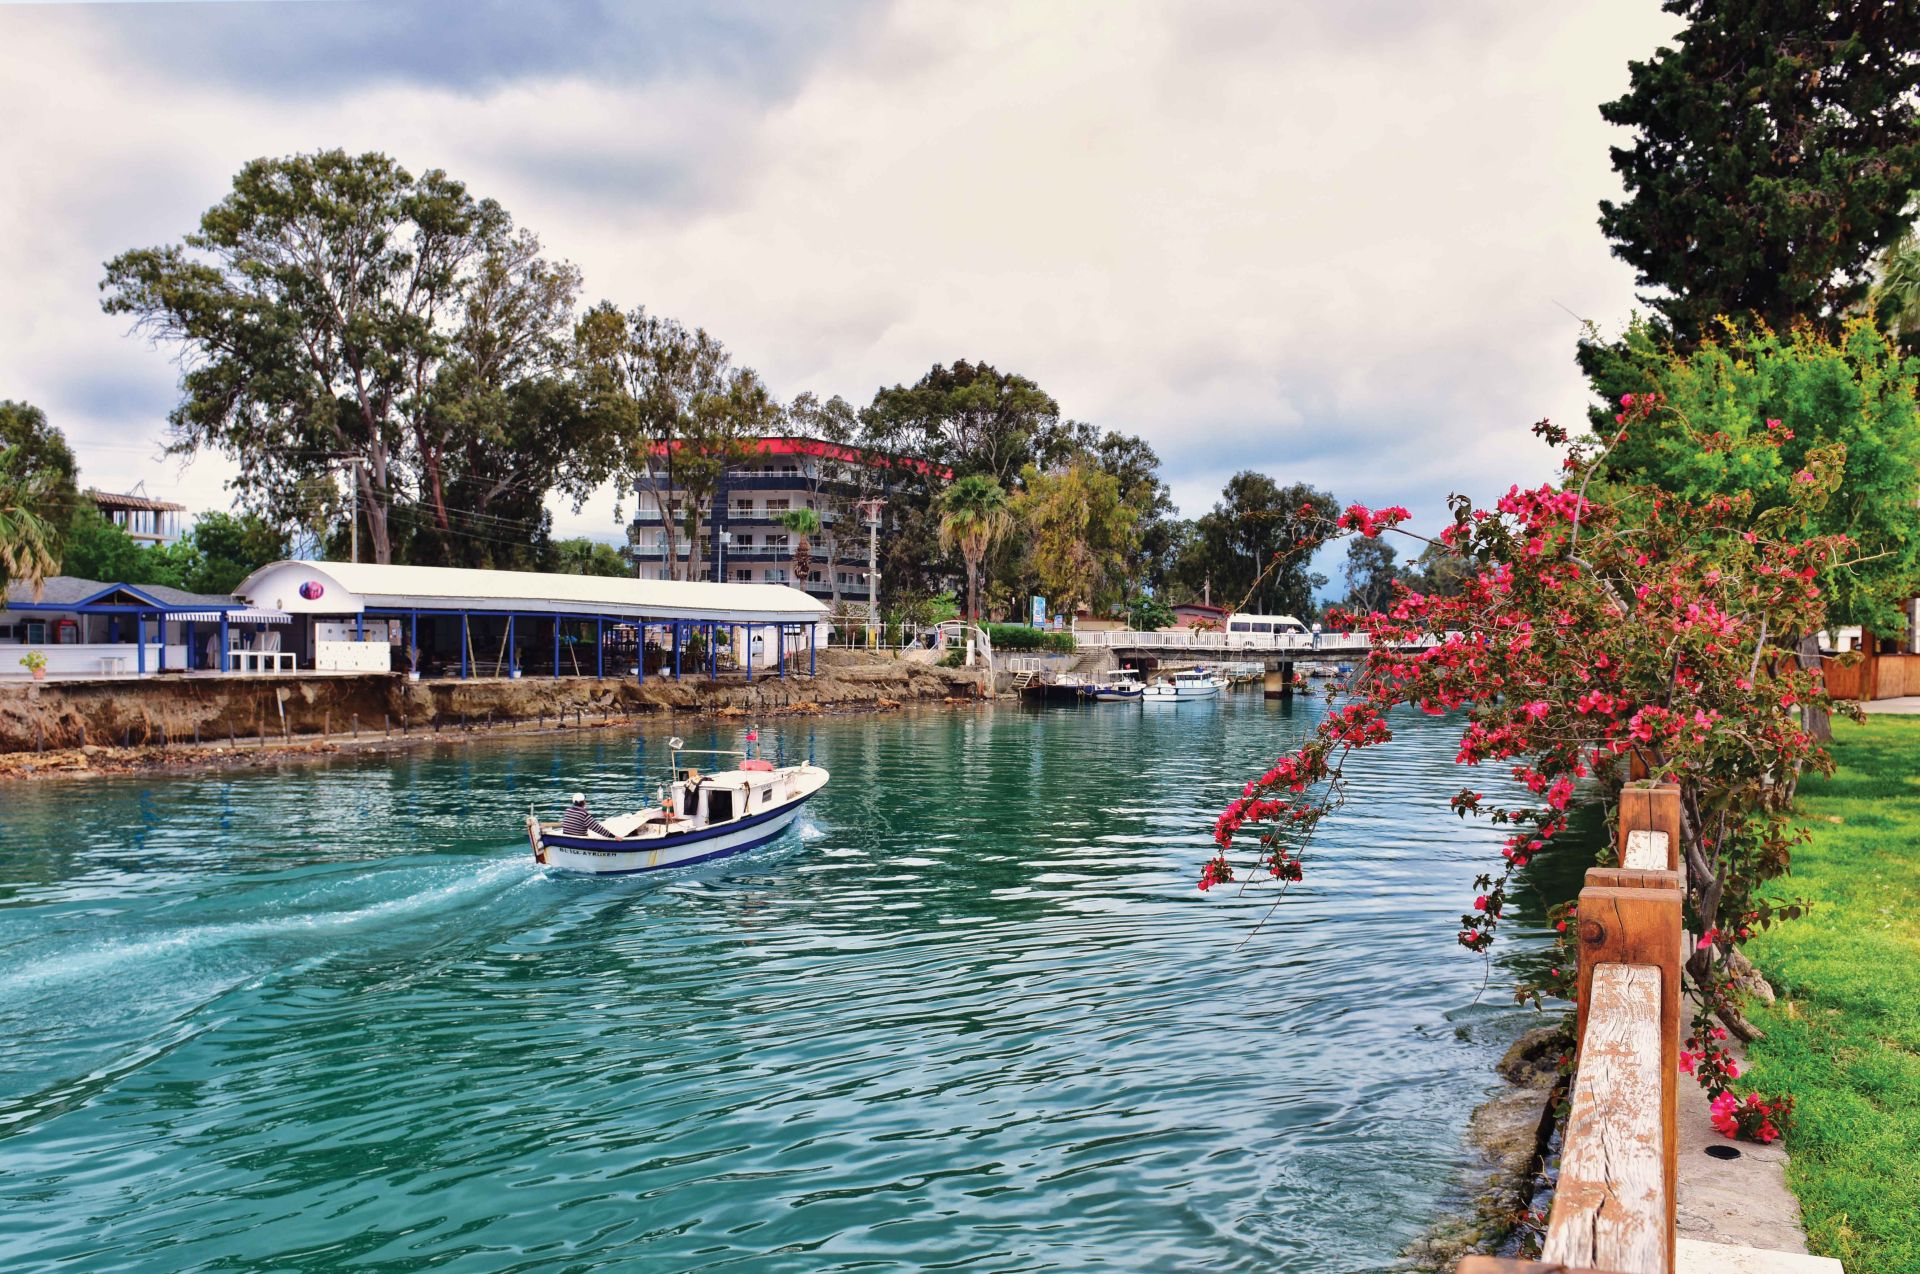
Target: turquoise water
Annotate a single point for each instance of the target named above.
(971, 1014)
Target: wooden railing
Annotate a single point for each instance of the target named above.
(1613, 1207)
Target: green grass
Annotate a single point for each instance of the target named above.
(1844, 1038)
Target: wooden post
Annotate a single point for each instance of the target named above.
(1650, 807)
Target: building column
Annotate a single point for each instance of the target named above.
(226, 643)
(160, 624)
(513, 655)
(413, 639)
(556, 648)
(360, 626)
(813, 638)
(676, 650)
(463, 645)
(140, 642)
(191, 653)
(600, 650)
(749, 630)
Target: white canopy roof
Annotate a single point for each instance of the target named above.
(348, 588)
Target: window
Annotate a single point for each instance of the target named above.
(743, 540)
(776, 506)
(777, 544)
(743, 576)
(776, 576)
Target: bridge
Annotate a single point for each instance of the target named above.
(1275, 650)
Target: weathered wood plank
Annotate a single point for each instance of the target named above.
(1650, 807)
(1632, 878)
(1639, 926)
(1612, 1208)
(1646, 851)
(1501, 1265)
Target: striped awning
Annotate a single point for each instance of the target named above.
(238, 615)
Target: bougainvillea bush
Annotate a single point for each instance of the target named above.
(1601, 622)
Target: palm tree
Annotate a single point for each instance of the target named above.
(973, 518)
(804, 523)
(1896, 293)
(29, 543)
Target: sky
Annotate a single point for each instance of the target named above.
(1346, 243)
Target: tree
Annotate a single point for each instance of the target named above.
(970, 418)
(331, 309)
(582, 556)
(676, 409)
(1773, 153)
(1754, 413)
(973, 518)
(226, 548)
(97, 549)
(803, 524)
(836, 423)
(1370, 574)
(39, 495)
(1896, 291)
(1079, 530)
(1252, 551)
(1149, 612)
(29, 535)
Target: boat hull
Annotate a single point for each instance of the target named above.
(1179, 694)
(595, 856)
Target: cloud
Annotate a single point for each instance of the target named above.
(1335, 243)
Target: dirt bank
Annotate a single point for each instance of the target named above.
(166, 712)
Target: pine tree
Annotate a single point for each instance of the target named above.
(1774, 153)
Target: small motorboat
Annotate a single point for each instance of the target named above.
(1182, 687)
(699, 816)
(1121, 687)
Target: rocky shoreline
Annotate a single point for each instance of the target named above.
(77, 730)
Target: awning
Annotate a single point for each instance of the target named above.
(238, 615)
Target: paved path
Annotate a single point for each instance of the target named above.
(1907, 706)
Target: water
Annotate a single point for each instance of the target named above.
(972, 1014)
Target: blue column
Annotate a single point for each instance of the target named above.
(191, 653)
(556, 648)
(748, 629)
(813, 635)
(226, 643)
(140, 642)
(600, 650)
(463, 644)
(160, 625)
(360, 626)
(676, 650)
(413, 637)
(780, 647)
(513, 656)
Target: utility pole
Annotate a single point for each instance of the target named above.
(871, 510)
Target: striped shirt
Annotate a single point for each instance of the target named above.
(577, 822)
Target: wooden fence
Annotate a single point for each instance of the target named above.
(1873, 676)
(1613, 1207)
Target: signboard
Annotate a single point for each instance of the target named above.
(1039, 613)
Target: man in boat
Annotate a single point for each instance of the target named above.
(578, 822)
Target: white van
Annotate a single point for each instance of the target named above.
(1262, 630)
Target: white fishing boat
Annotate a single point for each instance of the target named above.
(699, 816)
(1182, 687)
(1119, 687)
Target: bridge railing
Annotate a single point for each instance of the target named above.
(1613, 1207)
(1200, 640)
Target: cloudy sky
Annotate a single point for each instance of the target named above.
(1343, 242)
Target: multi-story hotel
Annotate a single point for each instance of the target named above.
(742, 539)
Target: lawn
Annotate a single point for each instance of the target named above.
(1844, 1038)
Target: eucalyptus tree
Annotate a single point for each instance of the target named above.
(336, 310)
(677, 411)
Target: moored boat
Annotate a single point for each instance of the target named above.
(1192, 684)
(1120, 687)
(699, 816)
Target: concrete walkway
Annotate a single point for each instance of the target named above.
(1906, 706)
(1735, 1216)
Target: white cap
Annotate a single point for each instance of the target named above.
(579, 798)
